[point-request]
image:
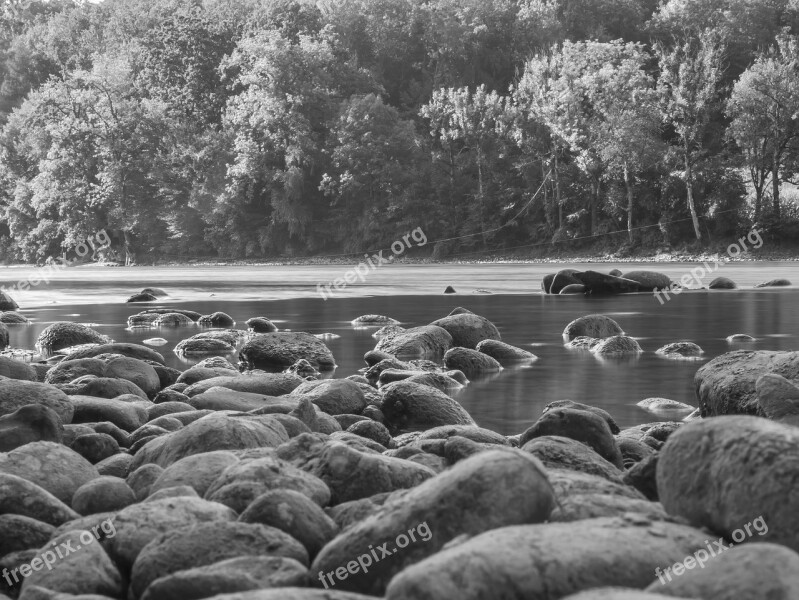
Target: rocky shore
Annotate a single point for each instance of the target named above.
(122, 478)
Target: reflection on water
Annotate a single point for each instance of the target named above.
(511, 400)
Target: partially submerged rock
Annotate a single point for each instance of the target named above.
(592, 326)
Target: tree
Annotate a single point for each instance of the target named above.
(764, 108)
(690, 73)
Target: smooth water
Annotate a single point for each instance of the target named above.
(507, 402)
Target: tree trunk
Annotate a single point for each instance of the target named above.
(594, 204)
(480, 192)
(689, 188)
(775, 183)
(629, 186)
(548, 212)
(557, 192)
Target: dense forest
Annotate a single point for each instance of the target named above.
(288, 128)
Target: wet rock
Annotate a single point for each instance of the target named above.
(217, 319)
(664, 405)
(726, 384)
(722, 283)
(371, 430)
(158, 292)
(95, 447)
(583, 426)
(632, 450)
(64, 334)
(139, 524)
(440, 381)
(7, 302)
(294, 513)
(642, 476)
(169, 407)
(265, 384)
(561, 280)
(413, 407)
(618, 345)
(206, 544)
(387, 331)
(739, 337)
(486, 491)
(125, 415)
(418, 342)
(649, 281)
(195, 374)
(261, 325)
(681, 350)
(614, 428)
(173, 320)
(722, 473)
(16, 369)
(22, 497)
(548, 560)
(592, 326)
(471, 362)
(600, 284)
(575, 288)
(239, 574)
(14, 394)
(124, 348)
(141, 297)
(374, 357)
(333, 396)
(778, 398)
(582, 342)
(53, 467)
(193, 315)
(504, 353)
(774, 283)
(142, 320)
(200, 346)
(753, 571)
(212, 432)
(31, 423)
(108, 365)
(279, 350)
(374, 320)
(449, 290)
(87, 571)
(557, 452)
(11, 317)
(103, 387)
(103, 494)
(467, 329)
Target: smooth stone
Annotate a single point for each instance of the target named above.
(104, 494)
(278, 350)
(468, 329)
(22, 497)
(15, 393)
(30, 423)
(427, 341)
(592, 326)
(618, 345)
(413, 407)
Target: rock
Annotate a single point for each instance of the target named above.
(53, 467)
(15, 393)
(504, 353)
(722, 473)
(557, 452)
(124, 348)
(95, 447)
(578, 507)
(467, 329)
(142, 320)
(212, 432)
(575, 288)
(440, 381)
(333, 396)
(156, 341)
(172, 492)
(649, 281)
(582, 342)
(614, 428)
(142, 479)
(562, 279)
(265, 384)
(88, 571)
(777, 397)
(471, 362)
(386, 331)
(103, 387)
(486, 491)
(31, 423)
(681, 350)
(276, 351)
(374, 321)
(115, 432)
(158, 292)
(206, 544)
(103, 494)
(200, 346)
(592, 326)
(371, 430)
(16, 369)
(546, 282)
(722, 283)
(261, 325)
(139, 524)
(294, 513)
(7, 302)
(198, 471)
(195, 374)
(583, 426)
(115, 466)
(774, 283)
(22, 497)
(116, 366)
(428, 341)
(217, 319)
(173, 320)
(22, 533)
(600, 284)
(449, 290)
(125, 415)
(739, 337)
(618, 345)
(413, 407)
(239, 574)
(193, 315)
(642, 476)
(664, 405)
(548, 560)
(10, 317)
(749, 572)
(141, 297)
(726, 384)
(64, 334)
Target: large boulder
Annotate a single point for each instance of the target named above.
(261, 325)
(123, 348)
(281, 349)
(617, 345)
(470, 362)
(128, 416)
(195, 346)
(217, 319)
(16, 369)
(726, 384)
(428, 341)
(592, 326)
(489, 490)
(7, 302)
(19, 496)
(560, 280)
(409, 406)
(266, 384)
(649, 280)
(602, 284)
(103, 387)
(467, 329)
(15, 393)
(722, 283)
(778, 398)
(557, 452)
(64, 334)
(22, 533)
(548, 561)
(11, 317)
(333, 396)
(142, 374)
(505, 354)
(727, 472)
(198, 471)
(31, 423)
